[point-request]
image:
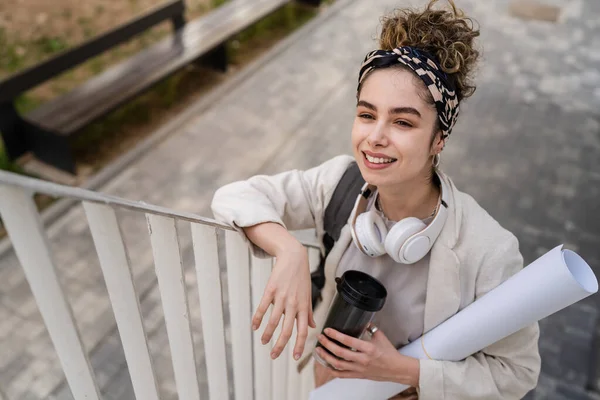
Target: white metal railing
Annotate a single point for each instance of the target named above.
(255, 375)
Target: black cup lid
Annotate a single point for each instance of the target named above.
(361, 290)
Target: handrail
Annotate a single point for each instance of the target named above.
(57, 190)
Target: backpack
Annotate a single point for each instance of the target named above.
(336, 216)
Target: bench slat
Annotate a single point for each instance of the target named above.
(14, 85)
(109, 83)
(70, 112)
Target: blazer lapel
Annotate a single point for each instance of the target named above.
(443, 280)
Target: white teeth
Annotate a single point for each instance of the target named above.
(377, 160)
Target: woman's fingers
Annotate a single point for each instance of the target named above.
(265, 302)
(302, 325)
(286, 332)
(287, 294)
(341, 352)
(351, 342)
(336, 363)
(273, 322)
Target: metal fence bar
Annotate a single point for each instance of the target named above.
(121, 289)
(279, 368)
(238, 281)
(24, 226)
(293, 377)
(261, 270)
(211, 311)
(171, 283)
(306, 382)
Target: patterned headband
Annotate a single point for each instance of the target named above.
(444, 95)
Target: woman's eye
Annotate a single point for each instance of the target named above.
(404, 124)
(365, 116)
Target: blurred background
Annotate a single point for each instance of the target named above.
(165, 101)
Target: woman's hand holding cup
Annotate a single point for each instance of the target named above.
(376, 359)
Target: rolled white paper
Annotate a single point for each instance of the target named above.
(554, 281)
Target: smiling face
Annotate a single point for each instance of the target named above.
(393, 128)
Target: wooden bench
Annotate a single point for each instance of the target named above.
(48, 130)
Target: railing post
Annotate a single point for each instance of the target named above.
(238, 282)
(171, 283)
(114, 262)
(211, 309)
(279, 367)
(24, 226)
(261, 271)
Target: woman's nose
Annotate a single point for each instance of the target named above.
(377, 136)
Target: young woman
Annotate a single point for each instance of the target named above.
(408, 97)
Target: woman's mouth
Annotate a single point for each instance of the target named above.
(377, 162)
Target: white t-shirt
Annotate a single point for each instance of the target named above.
(402, 316)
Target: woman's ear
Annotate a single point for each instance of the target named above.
(438, 143)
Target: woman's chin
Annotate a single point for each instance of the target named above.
(375, 178)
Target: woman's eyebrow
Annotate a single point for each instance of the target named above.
(405, 110)
(395, 110)
(366, 104)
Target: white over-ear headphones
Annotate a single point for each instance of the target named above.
(407, 242)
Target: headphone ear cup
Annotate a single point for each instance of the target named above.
(397, 236)
(371, 233)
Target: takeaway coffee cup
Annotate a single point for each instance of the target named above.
(359, 296)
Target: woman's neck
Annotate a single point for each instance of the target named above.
(417, 198)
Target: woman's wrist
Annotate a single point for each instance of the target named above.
(274, 239)
(407, 370)
(289, 246)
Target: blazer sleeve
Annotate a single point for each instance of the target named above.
(507, 369)
(294, 199)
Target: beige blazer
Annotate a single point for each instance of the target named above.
(472, 255)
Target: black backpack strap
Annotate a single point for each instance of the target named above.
(335, 218)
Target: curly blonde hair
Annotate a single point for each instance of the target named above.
(447, 34)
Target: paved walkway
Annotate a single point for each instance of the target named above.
(527, 147)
